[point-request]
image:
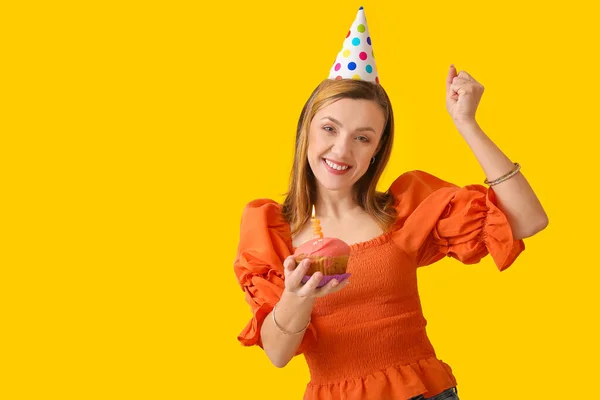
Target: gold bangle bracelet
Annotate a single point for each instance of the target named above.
(504, 177)
(283, 330)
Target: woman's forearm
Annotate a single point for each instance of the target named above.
(515, 196)
(292, 315)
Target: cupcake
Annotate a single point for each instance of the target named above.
(327, 255)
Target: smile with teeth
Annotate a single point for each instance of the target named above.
(336, 166)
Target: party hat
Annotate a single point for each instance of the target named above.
(355, 60)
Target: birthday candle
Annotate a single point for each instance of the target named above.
(316, 224)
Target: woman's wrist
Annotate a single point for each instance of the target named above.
(283, 329)
(293, 312)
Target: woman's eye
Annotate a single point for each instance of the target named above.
(328, 128)
(363, 139)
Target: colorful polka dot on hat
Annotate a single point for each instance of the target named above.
(355, 60)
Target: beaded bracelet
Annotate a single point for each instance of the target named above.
(283, 330)
(505, 177)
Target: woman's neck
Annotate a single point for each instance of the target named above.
(335, 204)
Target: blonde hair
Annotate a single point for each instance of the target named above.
(302, 191)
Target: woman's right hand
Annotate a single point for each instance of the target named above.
(293, 280)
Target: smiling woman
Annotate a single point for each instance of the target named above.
(368, 340)
(344, 123)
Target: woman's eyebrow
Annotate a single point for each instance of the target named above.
(365, 128)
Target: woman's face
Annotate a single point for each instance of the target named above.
(343, 138)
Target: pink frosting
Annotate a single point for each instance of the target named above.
(325, 247)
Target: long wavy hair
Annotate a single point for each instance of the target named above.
(302, 191)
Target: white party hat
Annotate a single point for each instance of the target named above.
(356, 60)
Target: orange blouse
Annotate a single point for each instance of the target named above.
(369, 340)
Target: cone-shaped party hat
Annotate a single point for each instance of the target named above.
(355, 60)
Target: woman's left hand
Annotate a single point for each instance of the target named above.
(463, 94)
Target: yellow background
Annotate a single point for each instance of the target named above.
(133, 133)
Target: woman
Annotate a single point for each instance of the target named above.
(365, 337)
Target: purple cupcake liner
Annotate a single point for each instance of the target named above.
(327, 278)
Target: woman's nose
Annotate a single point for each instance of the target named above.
(341, 146)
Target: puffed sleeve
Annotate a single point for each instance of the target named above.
(437, 219)
(264, 244)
